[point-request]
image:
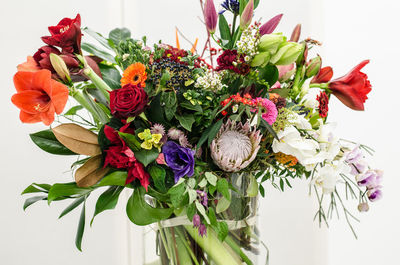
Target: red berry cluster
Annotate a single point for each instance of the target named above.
(246, 100)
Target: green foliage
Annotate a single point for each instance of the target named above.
(176, 194)
(147, 156)
(115, 178)
(72, 111)
(158, 174)
(81, 228)
(96, 51)
(46, 141)
(119, 35)
(72, 206)
(65, 190)
(170, 103)
(35, 188)
(110, 75)
(28, 202)
(185, 120)
(224, 29)
(223, 188)
(107, 200)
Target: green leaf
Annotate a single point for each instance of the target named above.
(73, 110)
(202, 211)
(119, 34)
(186, 120)
(214, 130)
(223, 204)
(72, 206)
(46, 141)
(97, 36)
(131, 141)
(256, 3)
(158, 174)
(262, 191)
(252, 189)
(147, 156)
(190, 106)
(28, 202)
(81, 228)
(107, 200)
(111, 76)
(203, 137)
(269, 73)
(269, 129)
(222, 230)
(224, 28)
(223, 188)
(66, 189)
(141, 213)
(211, 178)
(116, 178)
(34, 188)
(212, 217)
(92, 49)
(170, 102)
(191, 211)
(176, 194)
(243, 4)
(282, 184)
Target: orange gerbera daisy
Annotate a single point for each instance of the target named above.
(135, 74)
(38, 96)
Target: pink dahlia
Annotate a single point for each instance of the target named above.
(268, 108)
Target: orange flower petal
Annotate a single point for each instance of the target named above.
(31, 101)
(23, 81)
(59, 96)
(135, 74)
(48, 116)
(29, 66)
(41, 81)
(29, 118)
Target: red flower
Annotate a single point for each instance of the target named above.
(229, 60)
(323, 101)
(42, 57)
(128, 101)
(136, 171)
(352, 89)
(38, 96)
(66, 35)
(324, 75)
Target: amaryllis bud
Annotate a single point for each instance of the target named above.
(60, 67)
(287, 53)
(324, 75)
(270, 42)
(260, 59)
(296, 33)
(313, 66)
(247, 15)
(286, 71)
(270, 25)
(210, 16)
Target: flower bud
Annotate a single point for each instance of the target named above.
(210, 16)
(313, 66)
(287, 53)
(296, 33)
(363, 207)
(247, 15)
(260, 59)
(60, 67)
(270, 25)
(286, 71)
(271, 42)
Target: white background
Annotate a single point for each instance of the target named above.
(350, 30)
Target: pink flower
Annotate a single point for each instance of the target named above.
(247, 15)
(161, 159)
(270, 25)
(268, 108)
(210, 16)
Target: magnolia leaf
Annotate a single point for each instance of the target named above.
(90, 173)
(77, 139)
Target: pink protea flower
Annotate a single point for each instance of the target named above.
(268, 108)
(235, 146)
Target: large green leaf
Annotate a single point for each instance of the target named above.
(119, 34)
(73, 110)
(46, 141)
(107, 200)
(97, 36)
(186, 120)
(158, 174)
(141, 213)
(111, 76)
(28, 202)
(92, 49)
(146, 156)
(35, 188)
(190, 106)
(269, 73)
(224, 28)
(72, 206)
(176, 193)
(116, 178)
(223, 188)
(81, 228)
(66, 189)
(214, 130)
(170, 104)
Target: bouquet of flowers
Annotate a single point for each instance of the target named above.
(194, 136)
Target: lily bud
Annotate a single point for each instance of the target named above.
(313, 66)
(271, 42)
(296, 33)
(247, 15)
(287, 53)
(210, 16)
(260, 59)
(60, 67)
(271, 25)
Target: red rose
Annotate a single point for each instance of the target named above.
(128, 101)
(119, 157)
(352, 89)
(66, 35)
(136, 171)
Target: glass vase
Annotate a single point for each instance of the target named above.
(176, 242)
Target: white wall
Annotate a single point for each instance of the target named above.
(350, 30)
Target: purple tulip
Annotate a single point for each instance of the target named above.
(247, 15)
(179, 159)
(271, 25)
(210, 16)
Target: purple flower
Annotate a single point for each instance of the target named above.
(231, 5)
(210, 16)
(179, 159)
(374, 194)
(371, 179)
(355, 159)
(203, 198)
(202, 230)
(196, 221)
(270, 25)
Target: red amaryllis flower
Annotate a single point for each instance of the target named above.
(38, 96)
(324, 75)
(323, 101)
(128, 101)
(66, 35)
(352, 89)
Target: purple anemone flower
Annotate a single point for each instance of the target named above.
(179, 159)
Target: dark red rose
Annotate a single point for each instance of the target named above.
(352, 89)
(128, 101)
(137, 171)
(66, 35)
(323, 101)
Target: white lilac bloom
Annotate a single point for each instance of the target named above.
(328, 176)
(235, 146)
(211, 80)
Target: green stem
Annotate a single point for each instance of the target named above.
(324, 86)
(164, 240)
(78, 96)
(234, 25)
(182, 237)
(98, 82)
(237, 249)
(297, 79)
(103, 118)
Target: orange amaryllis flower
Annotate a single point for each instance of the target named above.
(135, 74)
(29, 66)
(38, 96)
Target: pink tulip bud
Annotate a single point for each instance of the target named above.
(271, 25)
(210, 16)
(247, 15)
(296, 33)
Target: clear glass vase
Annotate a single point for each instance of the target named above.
(177, 242)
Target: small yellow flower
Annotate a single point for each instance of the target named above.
(149, 139)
